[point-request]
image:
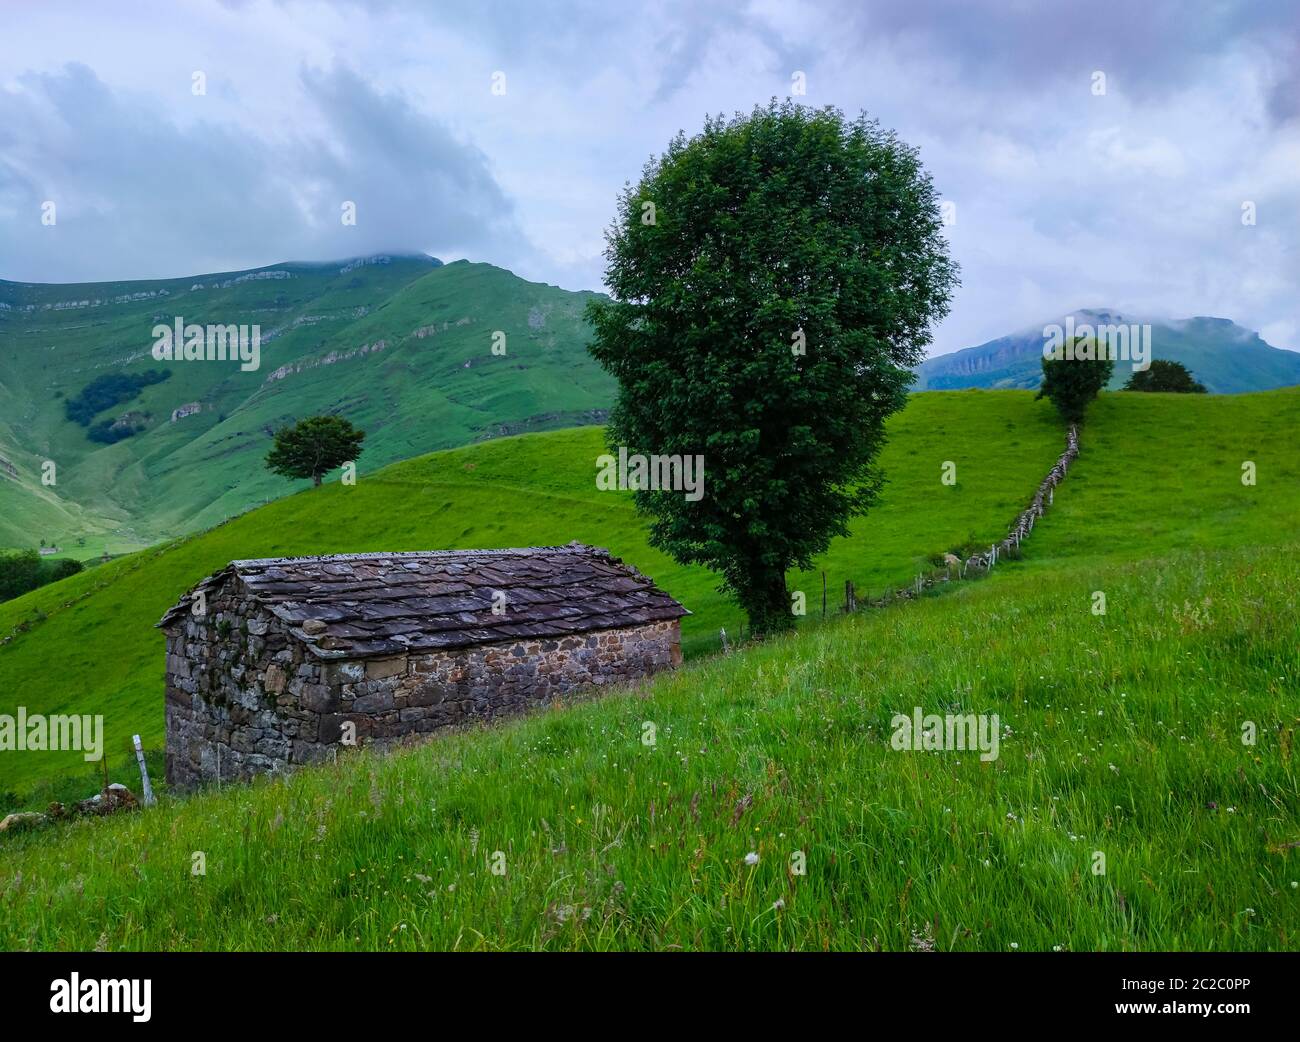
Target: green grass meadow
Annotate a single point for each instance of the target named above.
(1121, 736)
(530, 490)
(1124, 810)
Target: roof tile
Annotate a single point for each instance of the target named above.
(386, 603)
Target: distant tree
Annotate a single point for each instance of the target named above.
(110, 389)
(313, 447)
(773, 281)
(1070, 383)
(20, 571)
(67, 566)
(1165, 375)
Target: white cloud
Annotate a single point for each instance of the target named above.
(1065, 199)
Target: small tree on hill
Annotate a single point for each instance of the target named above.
(313, 447)
(20, 571)
(1075, 379)
(66, 567)
(1165, 375)
(773, 280)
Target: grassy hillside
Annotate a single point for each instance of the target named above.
(531, 490)
(1164, 471)
(427, 379)
(1120, 737)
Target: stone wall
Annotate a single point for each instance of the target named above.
(245, 697)
(984, 561)
(1024, 524)
(240, 693)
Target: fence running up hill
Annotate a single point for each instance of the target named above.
(986, 560)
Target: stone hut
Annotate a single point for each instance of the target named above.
(274, 663)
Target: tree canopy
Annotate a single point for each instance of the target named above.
(773, 280)
(313, 447)
(1164, 375)
(20, 571)
(1075, 379)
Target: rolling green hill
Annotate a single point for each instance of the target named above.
(772, 812)
(524, 491)
(1225, 357)
(1164, 472)
(402, 346)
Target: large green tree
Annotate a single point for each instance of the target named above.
(313, 447)
(773, 280)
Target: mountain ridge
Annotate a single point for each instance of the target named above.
(1228, 358)
(401, 344)
(348, 262)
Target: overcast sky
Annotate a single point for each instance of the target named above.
(1064, 197)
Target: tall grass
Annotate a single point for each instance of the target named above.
(89, 645)
(1122, 736)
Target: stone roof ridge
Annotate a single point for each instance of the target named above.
(383, 603)
(573, 547)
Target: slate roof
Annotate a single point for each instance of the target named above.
(391, 603)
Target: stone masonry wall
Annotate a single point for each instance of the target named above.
(245, 697)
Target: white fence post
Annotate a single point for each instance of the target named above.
(144, 772)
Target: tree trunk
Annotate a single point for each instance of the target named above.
(767, 604)
(316, 480)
